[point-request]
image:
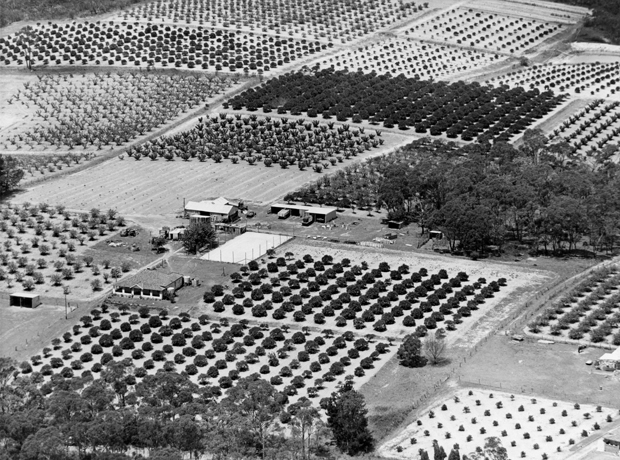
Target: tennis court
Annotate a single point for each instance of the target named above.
(245, 247)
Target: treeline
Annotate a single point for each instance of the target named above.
(167, 417)
(482, 194)
(606, 17)
(31, 10)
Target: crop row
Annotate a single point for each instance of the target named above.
(600, 127)
(479, 29)
(41, 243)
(593, 308)
(209, 353)
(460, 109)
(253, 139)
(320, 20)
(411, 58)
(591, 79)
(105, 108)
(342, 295)
(152, 45)
(524, 427)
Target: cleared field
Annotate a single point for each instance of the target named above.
(159, 187)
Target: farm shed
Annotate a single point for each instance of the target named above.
(24, 299)
(435, 235)
(149, 284)
(602, 455)
(322, 215)
(219, 209)
(396, 224)
(296, 210)
(609, 361)
(230, 228)
(176, 234)
(611, 442)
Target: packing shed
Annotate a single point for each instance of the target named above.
(322, 215)
(24, 299)
(318, 214)
(219, 209)
(297, 210)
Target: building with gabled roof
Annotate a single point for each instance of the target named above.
(149, 284)
(219, 209)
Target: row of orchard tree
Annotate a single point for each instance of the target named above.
(167, 417)
(482, 195)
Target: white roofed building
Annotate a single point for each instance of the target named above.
(217, 210)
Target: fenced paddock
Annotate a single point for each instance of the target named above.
(246, 247)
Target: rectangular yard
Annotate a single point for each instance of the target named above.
(246, 247)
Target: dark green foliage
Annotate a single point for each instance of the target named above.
(198, 235)
(347, 417)
(409, 352)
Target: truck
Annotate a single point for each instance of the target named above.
(307, 220)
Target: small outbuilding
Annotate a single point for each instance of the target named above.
(396, 224)
(611, 443)
(435, 235)
(315, 213)
(176, 234)
(149, 284)
(219, 209)
(609, 361)
(24, 299)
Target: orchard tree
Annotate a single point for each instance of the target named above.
(409, 353)
(493, 450)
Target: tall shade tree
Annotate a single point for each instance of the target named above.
(199, 235)
(10, 174)
(409, 353)
(257, 405)
(347, 418)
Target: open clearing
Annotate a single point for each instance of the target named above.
(159, 187)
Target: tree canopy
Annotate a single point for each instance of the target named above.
(165, 413)
(347, 418)
(10, 174)
(198, 235)
(409, 353)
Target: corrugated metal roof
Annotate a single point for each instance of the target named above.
(324, 211)
(150, 279)
(25, 295)
(290, 206)
(217, 206)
